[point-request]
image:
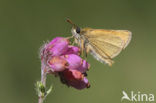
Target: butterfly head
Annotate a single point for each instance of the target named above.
(76, 31)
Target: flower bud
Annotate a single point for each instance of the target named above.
(73, 60)
(57, 64)
(72, 50)
(75, 79)
(57, 46)
(84, 66)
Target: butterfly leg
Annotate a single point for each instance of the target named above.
(75, 41)
(82, 47)
(70, 37)
(87, 50)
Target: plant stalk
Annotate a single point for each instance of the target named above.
(43, 81)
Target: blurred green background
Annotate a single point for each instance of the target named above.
(26, 24)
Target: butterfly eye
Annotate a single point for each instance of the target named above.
(78, 30)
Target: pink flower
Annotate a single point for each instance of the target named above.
(58, 46)
(84, 67)
(72, 50)
(76, 63)
(57, 64)
(73, 60)
(62, 59)
(74, 78)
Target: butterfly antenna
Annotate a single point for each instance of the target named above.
(69, 21)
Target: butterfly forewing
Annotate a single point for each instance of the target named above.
(110, 49)
(125, 35)
(107, 43)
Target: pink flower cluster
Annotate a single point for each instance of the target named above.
(63, 60)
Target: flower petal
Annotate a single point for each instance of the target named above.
(74, 78)
(57, 64)
(81, 84)
(84, 66)
(58, 46)
(72, 50)
(73, 60)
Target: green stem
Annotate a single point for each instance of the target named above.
(43, 81)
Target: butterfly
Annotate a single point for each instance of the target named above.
(103, 44)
